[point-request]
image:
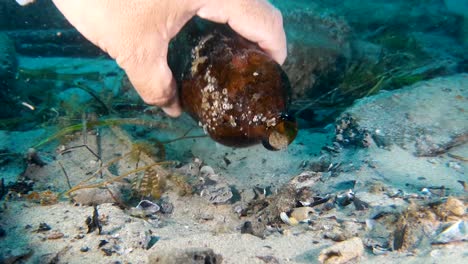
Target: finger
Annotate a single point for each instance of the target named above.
(154, 83)
(256, 20)
(173, 108)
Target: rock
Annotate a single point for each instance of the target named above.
(55, 235)
(411, 117)
(342, 252)
(455, 206)
(188, 256)
(318, 48)
(206, 171)
(348, 132)
(217, 194)
(96, 196)
(135, 235)
(302, 213)
(453, 233)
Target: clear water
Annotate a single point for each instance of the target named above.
(398, 67)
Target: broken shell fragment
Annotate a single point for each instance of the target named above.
(302, 213)
(288, 220)
(455, 232)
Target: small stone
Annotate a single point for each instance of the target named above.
(96, 196)
(205, 216)
(453, 233)
(84, 249)
(55, 235)
(455, 206)
(206, 171)
(166, 207)
(43, 227)
(302, 213)
(217, 194)
(342, 252)
(79, 236)
(107, 251)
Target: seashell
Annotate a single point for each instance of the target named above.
(301, 213)
(288, 220)
(144, 208)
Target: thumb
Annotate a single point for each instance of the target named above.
(154, 82)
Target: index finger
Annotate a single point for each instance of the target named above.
(256, 20)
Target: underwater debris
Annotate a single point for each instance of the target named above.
(348, 132)
(93, 222)
(349, 197)
(454, 232)
(273, 210)
(43, 198)
(452, 209)
(302, 213)
(55, 235)
(151, 184)
(32, 157)
(21, 186)
(224, 88)
(217, 194)
(43, 227)
(144, 209)
(342, 252)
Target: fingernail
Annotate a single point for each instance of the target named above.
(172, 111)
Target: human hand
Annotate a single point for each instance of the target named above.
(137, 33)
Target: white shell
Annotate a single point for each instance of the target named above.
(25, 2)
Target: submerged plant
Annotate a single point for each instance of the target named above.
(151, 185)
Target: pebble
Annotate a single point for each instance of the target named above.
(342, 252)
(84, 249)
(455, 232)
(43, 227)
(55, 235)
(302, 213)
(455, 206)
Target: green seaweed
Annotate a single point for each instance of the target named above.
(100, 123)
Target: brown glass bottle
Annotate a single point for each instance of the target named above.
(235, 91)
